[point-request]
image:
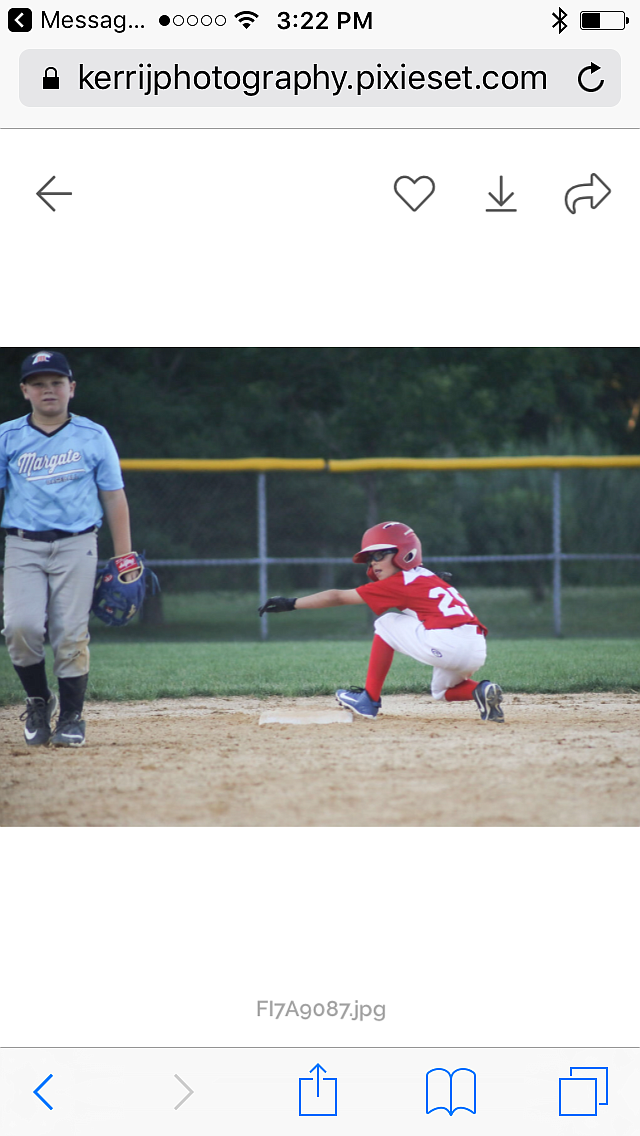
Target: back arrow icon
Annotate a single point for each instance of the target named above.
(594, 191)
(189, 1093)
(52, 193)
(592, 68)
(37, 1092)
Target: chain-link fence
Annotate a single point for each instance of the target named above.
(537, 546)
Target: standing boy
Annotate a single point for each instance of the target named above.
(56, 469)
(434, 626)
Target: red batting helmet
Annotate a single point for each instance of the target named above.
(391, 534)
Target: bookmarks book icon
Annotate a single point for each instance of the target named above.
(451, 1091)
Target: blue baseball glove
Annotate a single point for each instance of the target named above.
(116, 599)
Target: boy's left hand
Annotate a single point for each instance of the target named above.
(277, 603)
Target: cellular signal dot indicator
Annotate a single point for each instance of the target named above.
(246, 19)
(164, 20)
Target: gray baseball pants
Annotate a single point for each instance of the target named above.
(50, 583)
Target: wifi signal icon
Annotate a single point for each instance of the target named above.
(246, 18)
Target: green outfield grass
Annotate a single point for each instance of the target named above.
(126, 671)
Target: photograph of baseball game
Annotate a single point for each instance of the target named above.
(320, 587)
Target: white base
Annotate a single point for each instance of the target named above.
(305, 717)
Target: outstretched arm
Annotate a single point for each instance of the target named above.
(334, 597)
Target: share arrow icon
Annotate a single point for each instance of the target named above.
(594, 191)
(317, 1096)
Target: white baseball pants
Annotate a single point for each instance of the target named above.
(454, 653)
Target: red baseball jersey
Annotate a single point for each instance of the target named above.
(421, 593)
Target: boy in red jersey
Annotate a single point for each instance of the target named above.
(434, 625)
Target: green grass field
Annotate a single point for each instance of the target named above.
(127, 670)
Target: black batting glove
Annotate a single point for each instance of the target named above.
(277, 603)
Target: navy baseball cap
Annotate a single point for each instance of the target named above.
(45, 362)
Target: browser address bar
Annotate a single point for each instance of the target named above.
(317, 78)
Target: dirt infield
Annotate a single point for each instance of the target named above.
(558, 760)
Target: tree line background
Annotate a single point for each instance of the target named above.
(366, 402)
(347, 402)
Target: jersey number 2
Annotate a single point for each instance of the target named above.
(447, 605)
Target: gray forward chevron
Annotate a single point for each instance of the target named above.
(189, 1091)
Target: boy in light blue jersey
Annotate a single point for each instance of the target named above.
(60, 474)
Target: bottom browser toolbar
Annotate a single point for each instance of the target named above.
(238, 1090)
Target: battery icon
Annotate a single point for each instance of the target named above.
(603, 21)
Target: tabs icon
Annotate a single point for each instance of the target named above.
(50, 80)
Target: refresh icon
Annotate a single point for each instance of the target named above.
(591, 68)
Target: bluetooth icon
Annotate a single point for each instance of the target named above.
(561, 22)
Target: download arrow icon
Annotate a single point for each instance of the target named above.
(594, 191)
(501, 200)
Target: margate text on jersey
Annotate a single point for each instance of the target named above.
(30, 465)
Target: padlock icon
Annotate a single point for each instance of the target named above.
(50, 82)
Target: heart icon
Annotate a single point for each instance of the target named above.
(414, 191)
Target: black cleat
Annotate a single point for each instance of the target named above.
(37, 720)
(488, 696)
(69, 730)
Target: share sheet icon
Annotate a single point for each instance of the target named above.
(317, 1096)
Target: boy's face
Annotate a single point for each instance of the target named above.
(385, 567)
(49, 395)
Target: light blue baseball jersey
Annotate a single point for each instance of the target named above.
(51, 481)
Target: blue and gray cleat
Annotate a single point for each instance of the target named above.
(70, 730)
(488, 696)
(37, 719)
(357, 699)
